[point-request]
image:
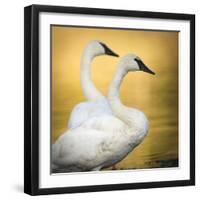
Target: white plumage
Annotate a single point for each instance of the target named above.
(86, 110)
(97, 104)
(104, 140)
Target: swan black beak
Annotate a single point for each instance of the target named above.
(143, 67)
(108, 51)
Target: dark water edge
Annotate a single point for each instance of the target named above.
(152, 165)
(166, 163)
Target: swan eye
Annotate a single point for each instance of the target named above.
(143, 67)
(140, 63)
(108, 51)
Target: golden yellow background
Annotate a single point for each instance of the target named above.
(156, 96)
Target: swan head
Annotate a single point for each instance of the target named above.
(131, 62)
(97, 48)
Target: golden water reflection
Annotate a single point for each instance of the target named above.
(156, 96)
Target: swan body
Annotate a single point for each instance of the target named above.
(86, 110)
(97, 104)
(103, 140)
(96, 144)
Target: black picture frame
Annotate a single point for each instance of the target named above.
(31, 98)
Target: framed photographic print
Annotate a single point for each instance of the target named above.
(109, 99)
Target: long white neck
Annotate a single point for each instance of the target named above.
(89, 89)
(121, 111)
(136, 123)
(113, 95)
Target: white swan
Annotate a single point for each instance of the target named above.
(103, 141)
(97, 104)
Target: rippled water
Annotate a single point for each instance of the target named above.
(156, 96)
